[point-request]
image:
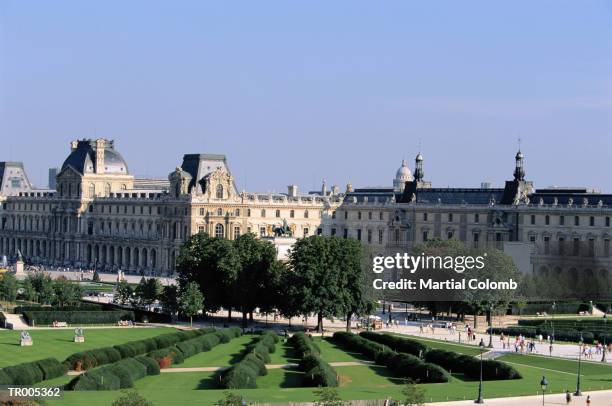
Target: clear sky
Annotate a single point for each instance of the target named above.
(293, 92)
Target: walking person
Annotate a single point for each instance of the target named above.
(568, 397)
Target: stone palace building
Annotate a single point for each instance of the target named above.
(101, 216)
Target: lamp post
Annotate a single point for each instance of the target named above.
(544, 385)
(490, 326)
(480, 399)
(578, 392)
(552, 337)
(603, 357)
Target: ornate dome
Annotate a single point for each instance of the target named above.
(403, 173)
(402, 176)
(82, 158)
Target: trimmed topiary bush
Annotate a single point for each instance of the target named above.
(150, 364)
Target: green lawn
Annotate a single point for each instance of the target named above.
(221, 355)
(59, 343)
(443, 345)
(356, 382)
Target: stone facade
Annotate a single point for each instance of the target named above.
(99, 216)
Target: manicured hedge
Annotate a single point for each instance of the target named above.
(30, 373)
(80, 308)
(396, 343)
(403, 365)
(243, 375)
(123, 373)
(44, 317)
(470, 366)
(316, 371)
(93, 358)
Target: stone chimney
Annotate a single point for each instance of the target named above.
(73, 145)
(100, 155)
(292, 190)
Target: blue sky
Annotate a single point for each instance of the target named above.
(293, 92)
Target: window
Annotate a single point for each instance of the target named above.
(334, 214)
(291, 213)
(236, 233)
(345, 233)
(202, 212)
(425, 236)
(201, 229)
(450, 217)
(277, 213)
(333, 231)
(305, 214)
(591, 247)
(237, 212)
(248, 212)
(370, 235)
(576, 220)
(319, 231)
(380, 236)
(306, 231)
(561, 220)
(607, 247)
(358, 215)
(92, 190)
(607, 221)
(369, 215)
(532, 238)
(262, 231)
(547, 220)
(359, 234)
(107, 189)
(219, 191)
(476, 239)
(219, 211)
(450, 235)
(533, 219)
(424, 216)
(546, 245)
(345, 215)
(476, 218)
(263, 212)
(380, 216)
(576, 247)
(561, 246)
(219, 231)
(591, 221)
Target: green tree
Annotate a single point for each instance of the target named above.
(131, 398)
(214, 264)
(414, 395)
(169, 299)
(256, 271)
(123, 292)
(66, 293)
(148, 291)
(230, 399)
(191, 300)
(328, 397)
(324, 272)
(8, 287)
(43, 286)
(29, 292)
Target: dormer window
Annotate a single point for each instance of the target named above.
(219, 191)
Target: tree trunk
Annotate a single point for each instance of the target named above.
(229, 314)
(191, 321)
(251, 316)
(320, 322)
(475, 320)
(348, 322)
(244, 318)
